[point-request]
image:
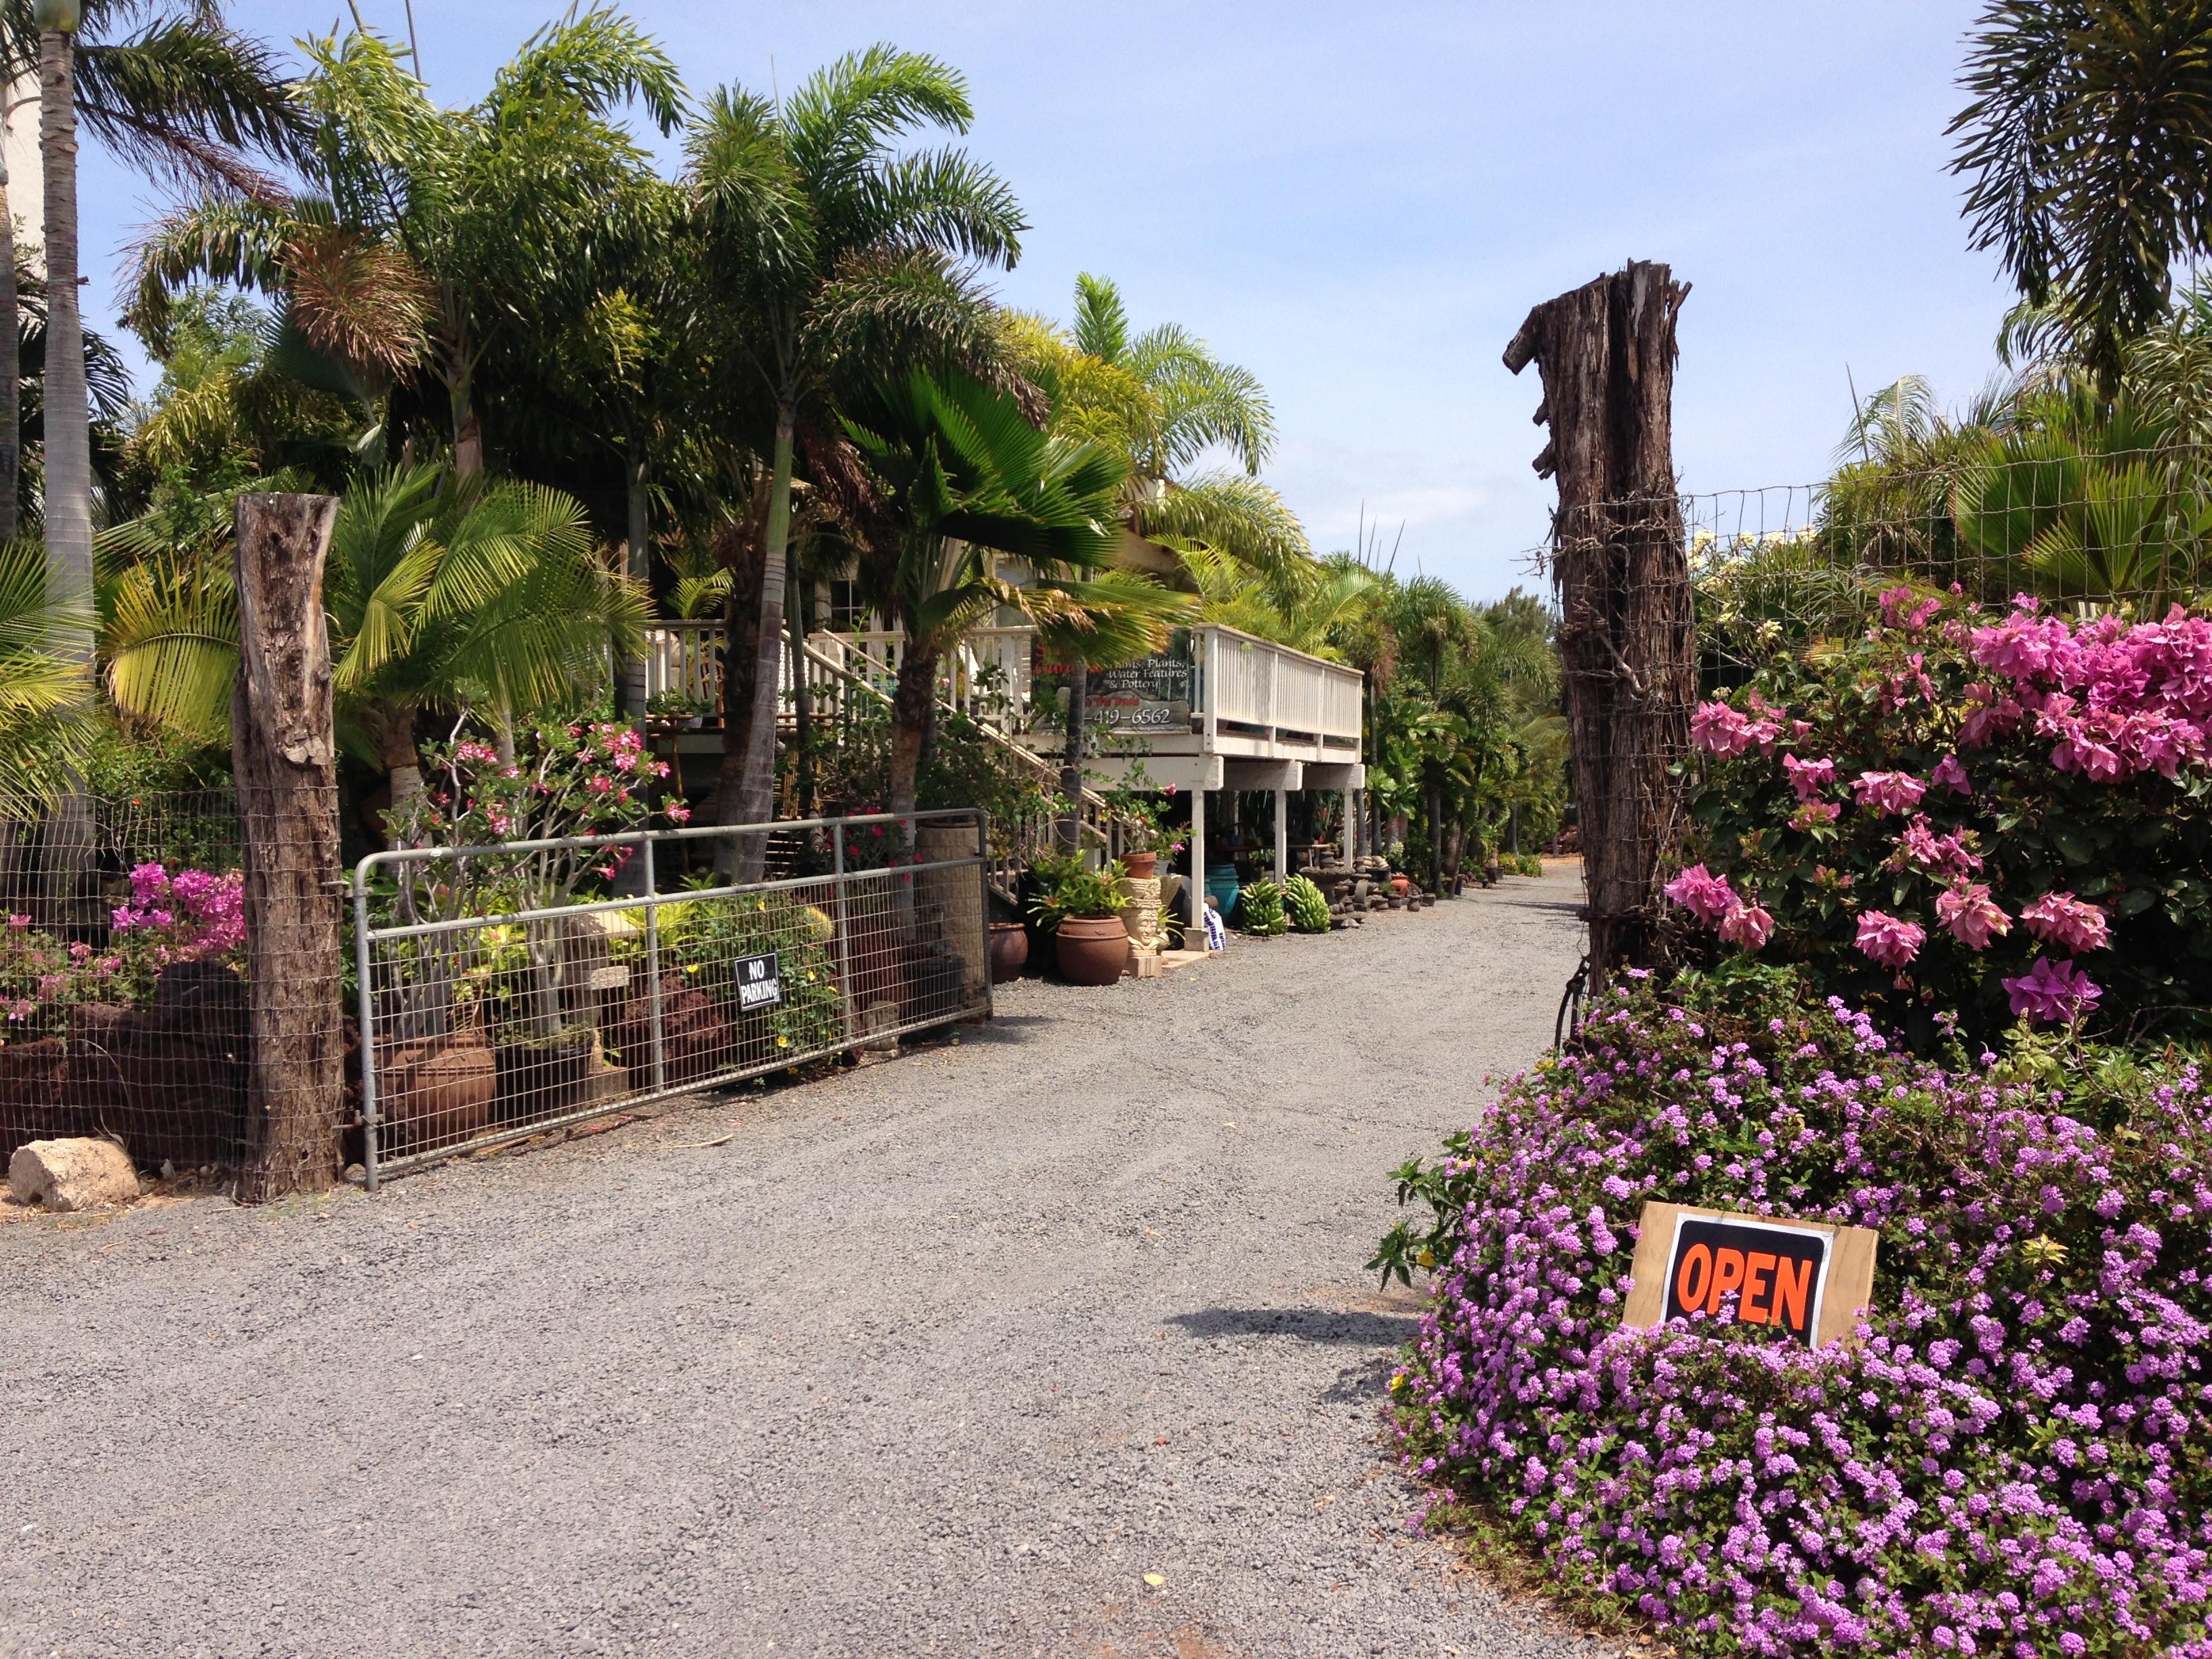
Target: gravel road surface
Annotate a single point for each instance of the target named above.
(955, 1354)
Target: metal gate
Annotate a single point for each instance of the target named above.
(492, 1006)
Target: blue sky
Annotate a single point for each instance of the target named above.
(1359, 203)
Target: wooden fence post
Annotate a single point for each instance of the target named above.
(1606, 352)
(285, 758)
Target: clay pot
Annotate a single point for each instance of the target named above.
(541, 1079)
(1009, 951)
(695, 1040)
(1093, 950)
(32, 1104)
(1141, 864)
(1399, 884)
(432, 1094)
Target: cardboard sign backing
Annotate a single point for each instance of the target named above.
(1808, 1281)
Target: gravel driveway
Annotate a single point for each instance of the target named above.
(949, 1355)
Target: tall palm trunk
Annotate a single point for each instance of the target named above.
(914, 702)
(756, 802)
(11, 368)
(1071, 762)
(69, 439)
(1436, 837)
(802, 697)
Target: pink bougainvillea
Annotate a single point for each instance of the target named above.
(1970, 915)
(1888, 940)
(2061, 919)
(1702, 893)
(2050, 771)
(1888, 792)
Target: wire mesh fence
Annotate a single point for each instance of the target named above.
(492, 1007)
(122, 974)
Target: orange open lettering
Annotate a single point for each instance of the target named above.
(1727, 1275)
(1757, 1265)
(1793, 1278)
(1698, 1265)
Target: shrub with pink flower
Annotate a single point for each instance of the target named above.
(2061, 919)
(2013, 1458)
(1704, 894)
(2046, 769)
(1888, 940)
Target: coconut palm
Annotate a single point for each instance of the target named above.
(181, 93)
(826, 241)
(2089, 145)
(442, 592)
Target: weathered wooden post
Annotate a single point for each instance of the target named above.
(285, 758)
(1606, 351)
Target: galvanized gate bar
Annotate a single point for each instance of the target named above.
(554, 1010)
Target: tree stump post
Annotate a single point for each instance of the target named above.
(285, 758)
(1606, 352)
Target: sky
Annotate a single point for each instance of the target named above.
(1359, 204)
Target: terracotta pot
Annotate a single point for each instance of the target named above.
(1093, 950)
(541, 1079)
(433, 1094)
(1009, 951)
(1142, 863)
(1399, 884)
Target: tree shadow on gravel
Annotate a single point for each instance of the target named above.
(1302, 1324)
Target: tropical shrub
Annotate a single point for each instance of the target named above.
(2012, 1456)
(702, 938)
(1993, 817)
(1072, 889)
(171, 916)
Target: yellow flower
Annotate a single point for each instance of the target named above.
(1427, 1257)
(783, 1043)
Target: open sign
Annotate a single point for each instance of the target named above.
(1806, 1280)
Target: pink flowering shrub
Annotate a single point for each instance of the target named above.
(2014, 1458)
(2002, 815)
(171, 916)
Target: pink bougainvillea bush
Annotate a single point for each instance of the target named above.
(171, 915)
(1997, 816)
(2014, 1455)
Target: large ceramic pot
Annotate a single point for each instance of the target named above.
(1009, 951)
(1093, 950)
(1141, 865)
(433, 1094)
(1223, 887)
(541, 1077)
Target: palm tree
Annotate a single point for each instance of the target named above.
(958, 472)
(426, 233)
(825, 241)
(182, 94)
(42, 704)
(442, 592)
(2089, 145)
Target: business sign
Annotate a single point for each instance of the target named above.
(760, 983)
(1152, 694)
(1806, 1280)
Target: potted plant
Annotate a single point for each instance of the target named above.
(581, 780)
(1142, 811)
(1083, 910)
(679, 708)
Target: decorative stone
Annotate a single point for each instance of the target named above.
(72, 1174)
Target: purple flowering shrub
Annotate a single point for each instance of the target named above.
(2012, 1458)
(2001, 816)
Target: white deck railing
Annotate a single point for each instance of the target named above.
(1243, 682)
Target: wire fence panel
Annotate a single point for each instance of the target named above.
(487, 1014)
(122, 964)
